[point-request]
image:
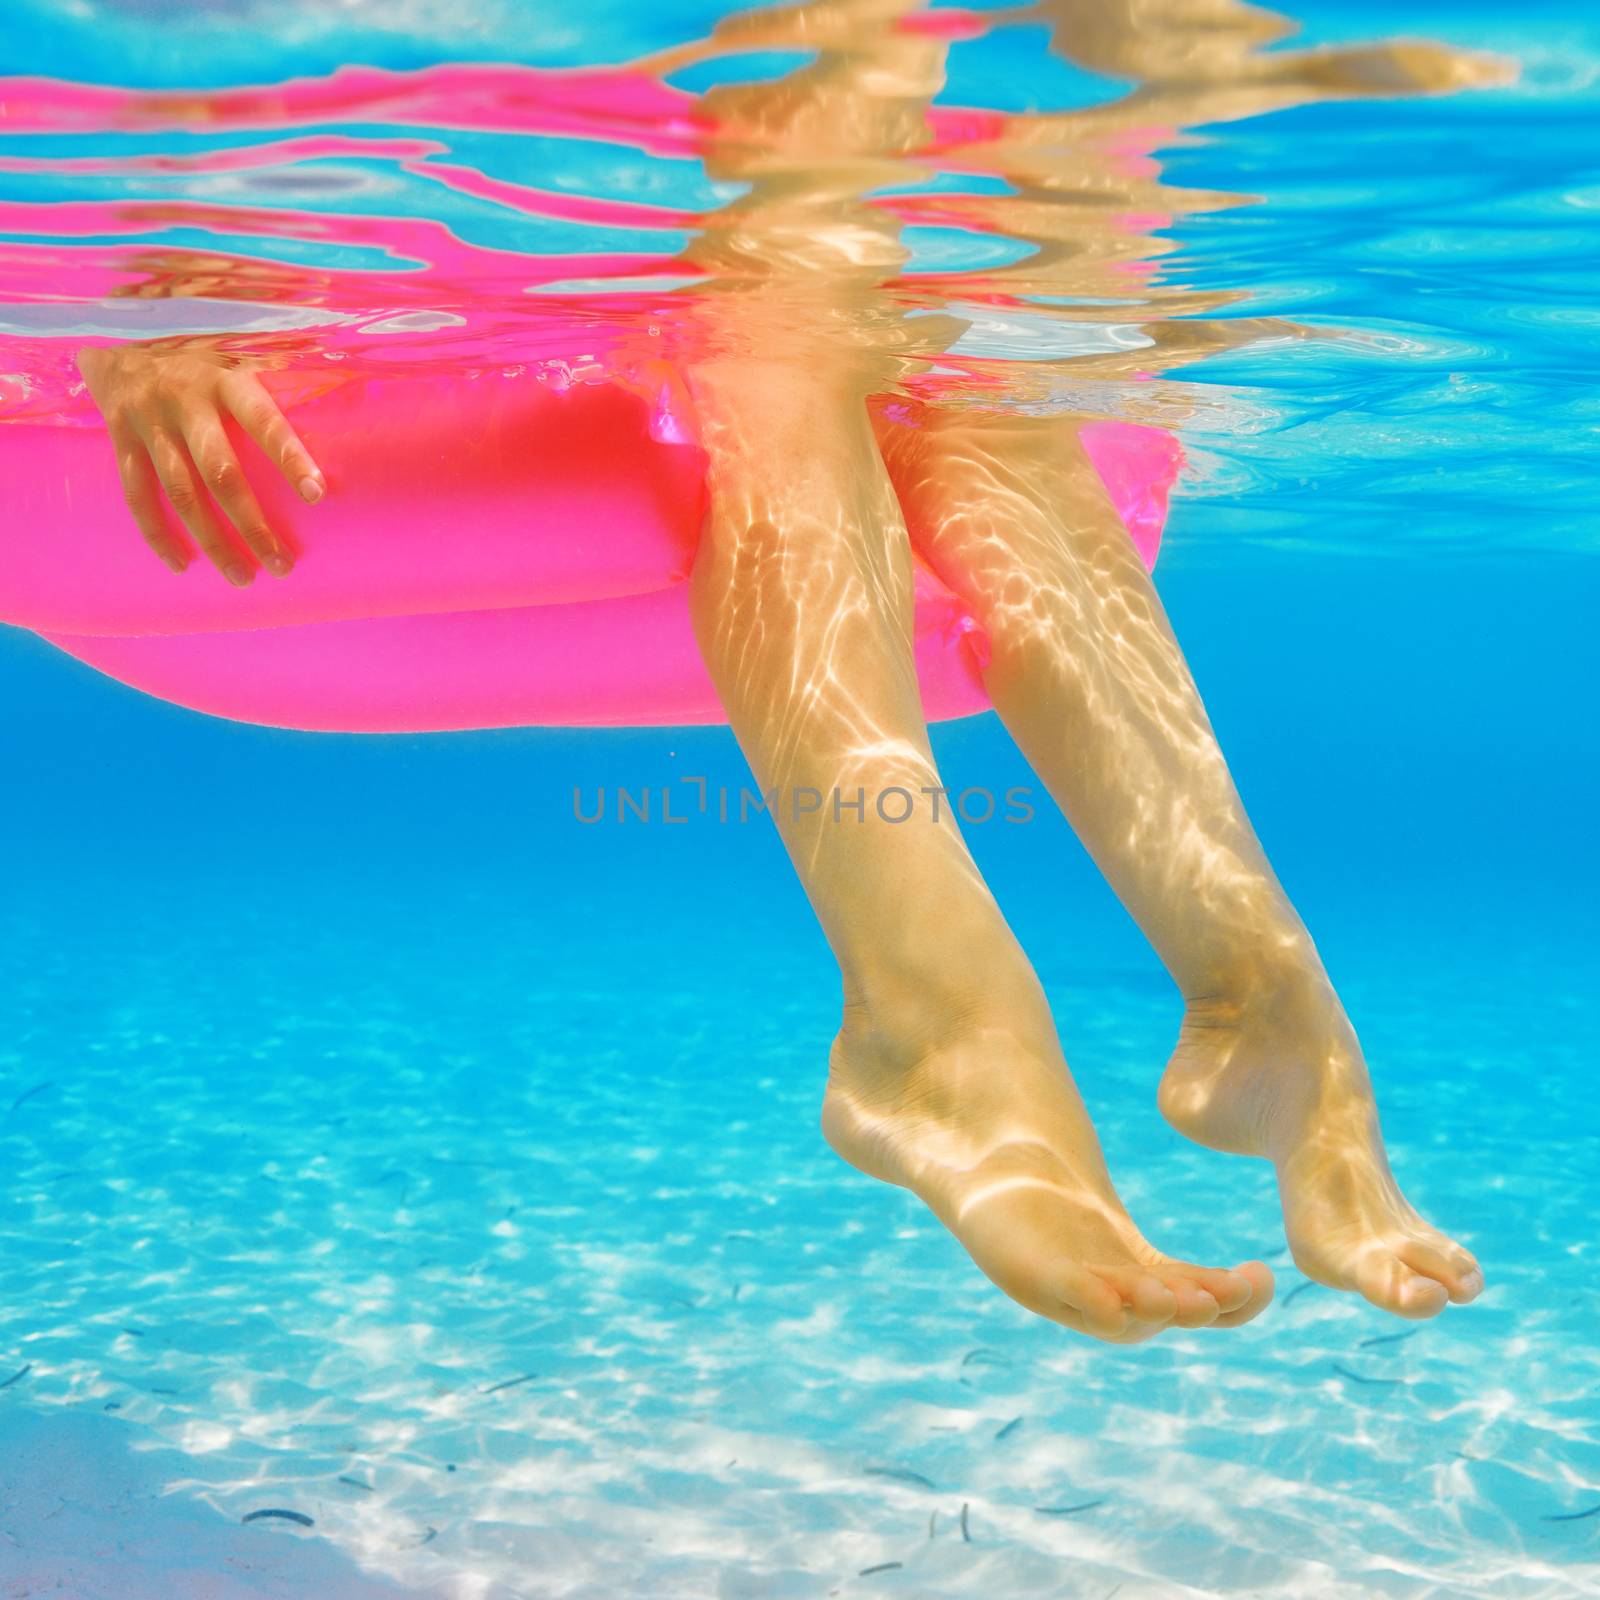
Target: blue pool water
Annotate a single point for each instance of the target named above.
(381, 1144)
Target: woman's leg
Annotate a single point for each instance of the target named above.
(1089, 679)
(946, 1076)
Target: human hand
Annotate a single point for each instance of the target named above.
(165, 407)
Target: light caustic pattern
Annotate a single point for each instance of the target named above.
(460, 1277)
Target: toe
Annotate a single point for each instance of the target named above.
(1144, 1293)
(1217, 1297)
(1258, 1275)
(1231, 1290)
(1391, 1285)
(1098, 1305)
(1421, 1297)
(1196, 1304)
(1197, 1307)
(1447, 1264)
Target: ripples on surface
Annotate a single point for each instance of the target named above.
(1056, 207)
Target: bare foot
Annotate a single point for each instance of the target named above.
(1281, 1075)
(985, 1125)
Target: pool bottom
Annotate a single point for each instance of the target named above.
(531, 1277)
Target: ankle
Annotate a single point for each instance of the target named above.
(899, 1014)
(1288, 978)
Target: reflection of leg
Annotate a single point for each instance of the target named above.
(946, 1076)
(1089, 679)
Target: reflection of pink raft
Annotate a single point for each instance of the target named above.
(490, 554)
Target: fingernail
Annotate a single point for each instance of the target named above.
(237, 573)
(1472, 1282)
(278, 564)
(310, 490)
(176, 563)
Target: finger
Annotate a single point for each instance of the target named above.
(141, 491)
(182, 487)
(258, 414)
(221, 473)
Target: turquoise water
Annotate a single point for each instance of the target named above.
(380, 1144)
